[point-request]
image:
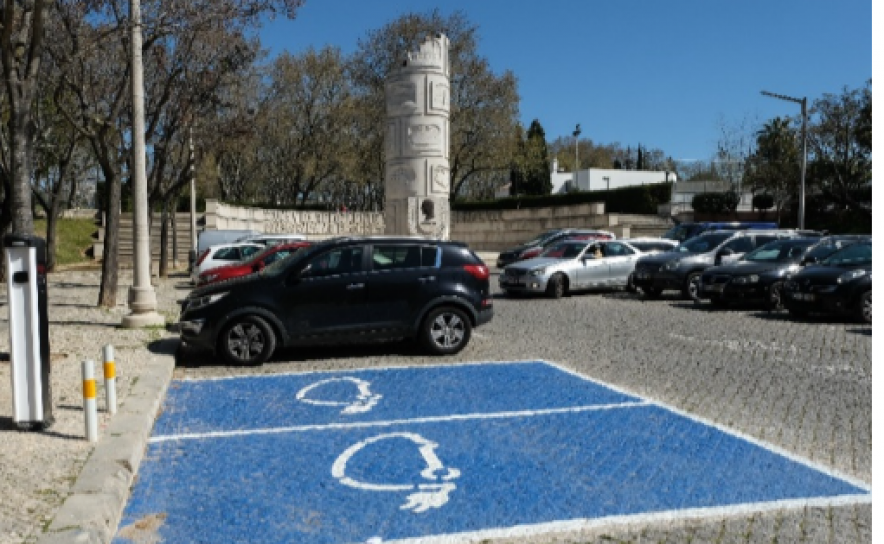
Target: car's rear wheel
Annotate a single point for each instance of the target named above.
(556, 287)
(775, 297)
(630, 285)
(446, 331)
(691, 287)
(247, 340)
(864, 307)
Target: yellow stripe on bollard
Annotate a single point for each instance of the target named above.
(110, 370)
(89, 389)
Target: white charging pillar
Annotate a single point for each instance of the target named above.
(28, 331)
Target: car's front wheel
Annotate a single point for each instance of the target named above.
(691, 288)
(775, 297)
(247, 340)
(865, 307)
(446, 331)
(556, 287)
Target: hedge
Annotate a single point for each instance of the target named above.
(638, 199)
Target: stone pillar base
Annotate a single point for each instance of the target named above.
(143, 303)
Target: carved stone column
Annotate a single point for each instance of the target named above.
(417, 144)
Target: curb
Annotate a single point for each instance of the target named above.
(92, 513)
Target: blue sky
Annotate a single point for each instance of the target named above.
(665, 75)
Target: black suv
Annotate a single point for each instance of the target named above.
(345, 289)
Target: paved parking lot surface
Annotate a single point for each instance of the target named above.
(796, 391)
(436, 452)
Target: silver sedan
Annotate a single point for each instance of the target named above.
(571, 266)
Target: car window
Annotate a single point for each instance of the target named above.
(740, 245)
(856, 254)
(393, 257)
(227, 254)
(702, 244)
(248, 251)
(344, 260)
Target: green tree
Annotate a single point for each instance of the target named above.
(840, 139)
(774, 168)
(534, 164)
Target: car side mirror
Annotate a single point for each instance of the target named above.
(808, 260)
(726, 252)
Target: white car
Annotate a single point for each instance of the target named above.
(222, 254)
(272, 239)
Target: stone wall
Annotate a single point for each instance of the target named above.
(316, 225)
(489, 230)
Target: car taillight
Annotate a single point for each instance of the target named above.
(202, 257)
(478, 271)
(528, 254)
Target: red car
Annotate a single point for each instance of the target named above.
(256, 263)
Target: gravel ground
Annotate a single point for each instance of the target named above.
(804, 386)
(38, 469)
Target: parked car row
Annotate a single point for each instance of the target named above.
(801, 271)
(538, 245)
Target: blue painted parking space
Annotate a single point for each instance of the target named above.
(428, 453)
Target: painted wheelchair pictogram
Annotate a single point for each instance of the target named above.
(425, 495)
(364, 400)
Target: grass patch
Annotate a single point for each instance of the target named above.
(74, 238)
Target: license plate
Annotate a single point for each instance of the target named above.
(713, 288)
(510, 281)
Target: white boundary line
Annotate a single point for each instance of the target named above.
(754, 441)
(389, 423)
(523, 531)
(366, 369)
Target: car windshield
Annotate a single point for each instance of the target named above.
(779, 251)
(852, 255)
(703, 243)
(565, 250)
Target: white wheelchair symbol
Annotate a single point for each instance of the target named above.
(425, 495)
(364, 401)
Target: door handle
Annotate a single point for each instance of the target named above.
(354, 286)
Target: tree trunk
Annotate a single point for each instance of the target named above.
(51, 239)
(22, 129)
(107, 292)
(164, 241)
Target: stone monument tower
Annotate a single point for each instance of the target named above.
(417, 143)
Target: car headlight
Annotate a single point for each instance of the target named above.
(751, 278)
(200, 302)
(537, 272)
(851, 275)
(671, 265)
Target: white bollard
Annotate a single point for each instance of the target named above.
(110, 379)
(90, 408)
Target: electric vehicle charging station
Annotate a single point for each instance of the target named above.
(28, 331)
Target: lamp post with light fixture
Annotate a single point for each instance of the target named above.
(803, 102)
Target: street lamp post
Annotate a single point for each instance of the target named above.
(576, 155)
(142, 297)
(803, 102)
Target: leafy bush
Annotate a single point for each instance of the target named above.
(724, 202)
(638, 199)
(762, 202)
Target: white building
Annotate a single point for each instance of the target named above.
(601, 179)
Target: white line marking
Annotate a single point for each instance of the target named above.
(737, 434)
(388, 423)
(351, 370)
(521, 531)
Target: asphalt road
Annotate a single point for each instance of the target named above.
(803, 386)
